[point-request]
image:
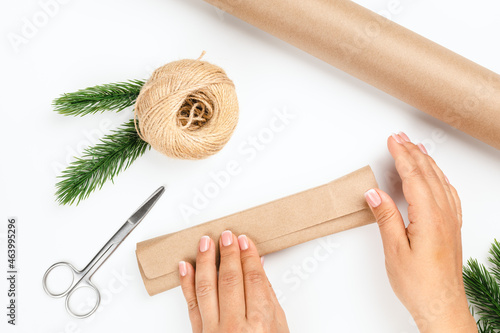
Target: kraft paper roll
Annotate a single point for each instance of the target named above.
(385, 55)
(327, 209)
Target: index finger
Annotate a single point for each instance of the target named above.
(258, 293)
(415, 187)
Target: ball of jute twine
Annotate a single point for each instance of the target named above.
(188, 109)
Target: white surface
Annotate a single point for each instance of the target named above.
(340, 125)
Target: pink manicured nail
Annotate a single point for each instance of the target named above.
(204, 243)
(447, 180)
(404, 136)
(243, 241)
(397, 138)
(373, 198)
(422, 148)
(182, 268)
(262, 260)
(227, 238)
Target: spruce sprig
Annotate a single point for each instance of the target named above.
(106, 97)
(485, 327)
(483, 290)
(99, 163)
(494, 259)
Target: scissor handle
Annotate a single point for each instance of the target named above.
(85, 283)
(79, 280)
(75, 276)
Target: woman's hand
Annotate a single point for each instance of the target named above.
(424, 260)
(240, 299)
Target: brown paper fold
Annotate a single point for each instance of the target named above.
(327, 209)
(385, 55)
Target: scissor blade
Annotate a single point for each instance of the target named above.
(144, 209)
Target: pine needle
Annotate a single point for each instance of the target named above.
(483, 292)
(484, 327)
(495, 259)
(107, 97)
(113, 154)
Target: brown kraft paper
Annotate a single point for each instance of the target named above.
(324, 210)
(386, 55)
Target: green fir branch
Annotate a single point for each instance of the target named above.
(484, 326)
(483, 292)
(107, 97)
(113, 154)
(494, 259)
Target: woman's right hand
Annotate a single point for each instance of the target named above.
(424, 260)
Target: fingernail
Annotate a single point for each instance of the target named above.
(373, 198)
(243, 241)
(422, 148)
(397, 138)
(204, 243)
(262, 260)
(404, 136)
(447, 180)
(227, 238)
(182, 268)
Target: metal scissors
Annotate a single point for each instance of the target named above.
(82, 278)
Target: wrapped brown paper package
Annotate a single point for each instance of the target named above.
(385, 55)
(327, 209)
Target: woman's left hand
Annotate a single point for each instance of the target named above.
(240, 299)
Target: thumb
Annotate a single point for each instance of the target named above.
(389, 220)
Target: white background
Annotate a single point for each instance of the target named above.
(340, 124)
